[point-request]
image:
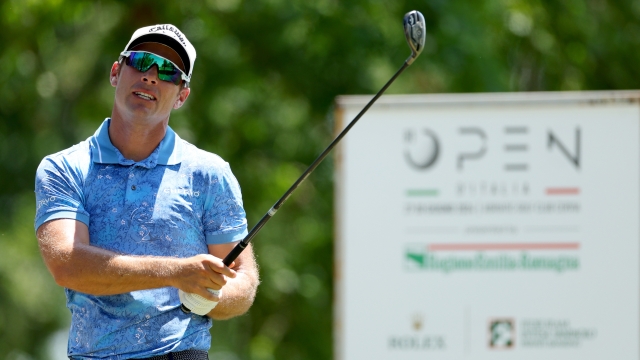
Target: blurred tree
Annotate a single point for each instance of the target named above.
(262, 94)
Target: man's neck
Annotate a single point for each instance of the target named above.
(134, 139)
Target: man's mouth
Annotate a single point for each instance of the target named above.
(144, 95)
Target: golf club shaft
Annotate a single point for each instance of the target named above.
(243, 244)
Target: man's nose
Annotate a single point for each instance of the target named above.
(151, 76)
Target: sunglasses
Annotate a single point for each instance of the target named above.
(143, 61)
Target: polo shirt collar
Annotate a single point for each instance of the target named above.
(168, 152)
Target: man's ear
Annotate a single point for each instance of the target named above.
(182, 97)
(113, 75)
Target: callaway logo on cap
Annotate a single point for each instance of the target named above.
(169, 35)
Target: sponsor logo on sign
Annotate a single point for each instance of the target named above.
(422, 147)
(502, 333)
(448, 258)
(418, 339)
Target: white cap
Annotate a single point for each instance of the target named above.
(169, 35)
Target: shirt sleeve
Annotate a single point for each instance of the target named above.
(59, 193)
(224, 216)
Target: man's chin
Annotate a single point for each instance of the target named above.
(142, 108)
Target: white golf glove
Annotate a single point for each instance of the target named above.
(196, 303)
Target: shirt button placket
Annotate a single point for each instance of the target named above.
(131, 181)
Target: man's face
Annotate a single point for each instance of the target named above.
(142, 95)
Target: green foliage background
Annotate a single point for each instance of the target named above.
(262, 97)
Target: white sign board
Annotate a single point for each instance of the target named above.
(489, 226)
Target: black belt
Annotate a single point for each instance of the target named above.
(182, 355)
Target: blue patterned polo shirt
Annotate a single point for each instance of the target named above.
(173, 203)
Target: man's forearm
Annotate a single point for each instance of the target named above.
(96, 271)
(237, 298)
(238, 294)
(77, 265)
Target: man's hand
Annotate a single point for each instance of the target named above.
(198, 273)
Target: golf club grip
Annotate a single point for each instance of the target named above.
(234, 253)
(239, 248)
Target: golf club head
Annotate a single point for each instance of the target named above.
(414, 31)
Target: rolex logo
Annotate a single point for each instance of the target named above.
(418, 339)
(417, 321)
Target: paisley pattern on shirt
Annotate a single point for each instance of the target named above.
(173, 203)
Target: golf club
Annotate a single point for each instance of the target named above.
(414, 31)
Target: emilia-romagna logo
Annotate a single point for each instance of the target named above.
(417, 259)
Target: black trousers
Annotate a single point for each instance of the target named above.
(182, 355)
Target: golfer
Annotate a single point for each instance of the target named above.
(134, 218)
